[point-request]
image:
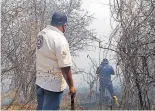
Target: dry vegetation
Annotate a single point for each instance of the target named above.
(135, 37)
(135, 50)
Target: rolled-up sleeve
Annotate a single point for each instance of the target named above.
(63, 55)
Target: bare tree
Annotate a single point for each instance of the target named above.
(135, 35)
(90, 77)
(21, 22)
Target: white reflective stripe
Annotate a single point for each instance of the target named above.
(55, 74)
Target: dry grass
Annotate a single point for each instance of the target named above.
(65, 105)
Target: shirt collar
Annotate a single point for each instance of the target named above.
(54, 29)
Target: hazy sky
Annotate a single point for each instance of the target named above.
(101, 24)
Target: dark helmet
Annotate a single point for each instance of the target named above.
(59, 19)
(105, 61)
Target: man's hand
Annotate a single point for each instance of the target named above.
(66, 71)
(72, 91)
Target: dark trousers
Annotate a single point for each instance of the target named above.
(48, 100)
(106, 85)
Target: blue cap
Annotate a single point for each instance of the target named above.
(105, 61)
(59, 19)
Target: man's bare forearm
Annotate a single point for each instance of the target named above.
(66, 71)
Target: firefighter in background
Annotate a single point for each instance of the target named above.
(104, 72)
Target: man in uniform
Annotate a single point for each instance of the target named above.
(53, 64)
(105, 71)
